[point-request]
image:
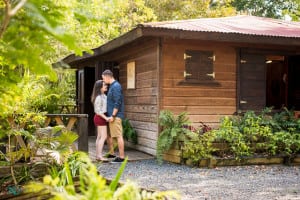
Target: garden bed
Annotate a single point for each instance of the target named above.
(247, 139)
(253, 160)
(174, 155)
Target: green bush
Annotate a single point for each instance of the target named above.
(248, 134)
(198, 147)
(270, 133)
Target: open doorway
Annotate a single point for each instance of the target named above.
(294, 82)
(283, 83)
(276, 86)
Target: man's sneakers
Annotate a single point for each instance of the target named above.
(110, 156)
(117, 160)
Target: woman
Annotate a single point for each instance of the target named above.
(100, 119)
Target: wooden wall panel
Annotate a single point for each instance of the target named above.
(202, 102)
(147, 142)
(203, 110)
(142, 117)
(141, 92)
(151, 151)
(174, 83)
(141, 108)
(147, 134)
(205, 92)
(196, 101)
(147, 126)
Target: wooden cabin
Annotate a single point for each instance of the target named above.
(208, 67)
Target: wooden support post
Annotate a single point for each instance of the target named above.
(83, 134)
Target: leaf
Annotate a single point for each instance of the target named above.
(113, 185)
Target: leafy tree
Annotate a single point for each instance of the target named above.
(102, 21)
(295, 13)
(27, 32)
(38, 94)
(188, 9)
(221, 8)
(34, 34)
(120, 16)
(269, 8)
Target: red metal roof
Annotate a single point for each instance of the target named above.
(249, 25)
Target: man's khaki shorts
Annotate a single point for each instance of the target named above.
(116, 128)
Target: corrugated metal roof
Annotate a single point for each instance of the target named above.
(249, 25)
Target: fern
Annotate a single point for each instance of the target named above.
(129, 133)
(172, 131)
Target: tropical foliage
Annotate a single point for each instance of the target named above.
(173, 131)
(79, 179)
(248, 134)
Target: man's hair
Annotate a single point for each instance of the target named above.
(107, 73)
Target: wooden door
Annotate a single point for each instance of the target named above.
(252, 82)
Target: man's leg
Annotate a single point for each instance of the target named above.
(117, 132)
(121, 147)
(110, 145)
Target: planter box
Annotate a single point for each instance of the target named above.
(256, 160)
(296, 160)
(5, 170)
(174, 154)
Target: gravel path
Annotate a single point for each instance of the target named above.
(276, 182)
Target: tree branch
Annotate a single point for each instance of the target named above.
(10, 13)
(6, 18)
(18, 7)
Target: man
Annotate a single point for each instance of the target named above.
(115, 110)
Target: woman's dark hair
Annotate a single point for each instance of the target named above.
(96, 90)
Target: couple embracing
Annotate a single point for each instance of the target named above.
(109, 110)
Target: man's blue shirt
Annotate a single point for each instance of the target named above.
(115, 99)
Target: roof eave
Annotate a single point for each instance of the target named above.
(221, 36)
(141, 31)
(109, 46)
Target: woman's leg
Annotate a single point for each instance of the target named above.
(98, 155)
(102, 130)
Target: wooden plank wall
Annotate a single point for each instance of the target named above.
(205, 103)
(141, 103)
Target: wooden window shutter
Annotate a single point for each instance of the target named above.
(199, 66)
